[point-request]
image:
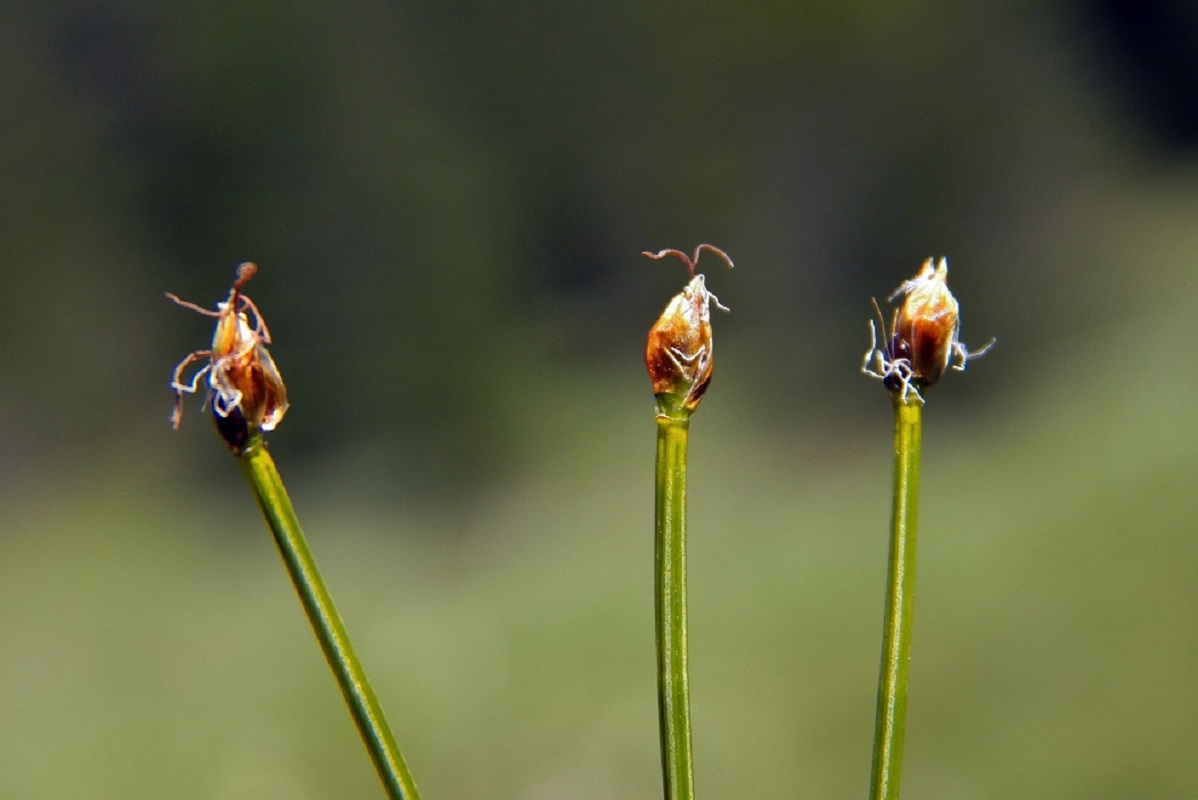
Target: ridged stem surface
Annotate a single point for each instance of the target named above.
(900, 603)
(263, 477)
(673, 692)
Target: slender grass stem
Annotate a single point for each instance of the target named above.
(673, 693)
(259, 469)
(900, 602)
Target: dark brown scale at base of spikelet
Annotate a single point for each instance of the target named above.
(233, 428)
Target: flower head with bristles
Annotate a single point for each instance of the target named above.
(924, 335)
(679, 351)
(243, 384)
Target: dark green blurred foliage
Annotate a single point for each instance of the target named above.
(448, 202)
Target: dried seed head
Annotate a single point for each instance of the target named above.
(244, 387)
(923, 339)
(679, 352)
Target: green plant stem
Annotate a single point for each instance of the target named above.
(673, 693)
(900, 603)
(264, 480)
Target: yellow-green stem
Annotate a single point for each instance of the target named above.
(673, 693)
(900, 603)
(264, 480)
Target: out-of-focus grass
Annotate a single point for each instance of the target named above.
(150, 645)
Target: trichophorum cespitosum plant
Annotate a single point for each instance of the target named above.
(921, 343)
(246, 395)
(244, 391)
(679, 357)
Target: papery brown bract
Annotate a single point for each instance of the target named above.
(679, 351)
(244, 376)
(925, 327)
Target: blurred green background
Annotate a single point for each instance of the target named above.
(448, 202)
